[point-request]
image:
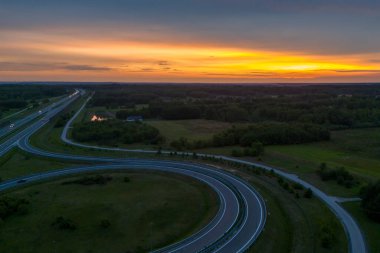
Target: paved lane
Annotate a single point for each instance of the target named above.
(355, 235)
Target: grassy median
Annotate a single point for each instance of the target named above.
(127, 212)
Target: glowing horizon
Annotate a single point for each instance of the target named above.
(144, 54)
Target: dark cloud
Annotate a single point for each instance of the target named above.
(315, 26)
(45, 66)
(147, 70)
(85, 68)
(163, 63)
(358, 71)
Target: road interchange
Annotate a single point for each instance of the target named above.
(355, 236)
(238, 223)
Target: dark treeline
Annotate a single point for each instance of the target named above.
(371, 200)
(254, 136)
(271, 133)
(19, 96)
(112, 132)
(340, 175)
(28, 92)
(126, 95)
(335, 107)
(277, 114)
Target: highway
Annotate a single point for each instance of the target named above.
(13, 126)
(241, 212)
(46, 114)
(354, 234)
(238, 223)
(252, 213)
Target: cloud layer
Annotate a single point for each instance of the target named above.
(195, 40)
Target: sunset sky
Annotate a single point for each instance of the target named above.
(190, 40)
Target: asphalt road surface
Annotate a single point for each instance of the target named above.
(236, 226)
(238, 223)
(251, 215)
(12, 126)
(46, 114)
(355, 236)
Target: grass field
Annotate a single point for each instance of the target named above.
(17, 163)
(370, 228)
(357, 150)
(198, 129)
(150, 211)
(293, 224)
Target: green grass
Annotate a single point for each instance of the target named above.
(145, 213)
(371, 229)
(16, 163)
(293, 225)
(301, 159)
(334, 157)
(357, 150)
(197, 129)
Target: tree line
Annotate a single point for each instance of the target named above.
(112, 132)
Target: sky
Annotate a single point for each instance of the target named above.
(253, 41)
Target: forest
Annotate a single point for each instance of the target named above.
(20, 96)
(276, 114)
(333, 107)
(111, 132)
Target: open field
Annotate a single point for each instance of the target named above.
(17, 163)
(370, 228)
(143, 214)
(295, 223)
(197, 129)
(303, 159)
(294, 215)
(357, 150)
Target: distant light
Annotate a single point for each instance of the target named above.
(97, 118)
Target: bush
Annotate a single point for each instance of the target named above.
(90, 180)
(297, 186)
(63, 224)
(12, 206)
(308, 194)
(237, 153)
(61, 122)
(271, 133)
(371, 200)
(327, 236)
(105, 223)
(113, 131)
(340, 175)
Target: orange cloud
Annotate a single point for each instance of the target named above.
(56, 58)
